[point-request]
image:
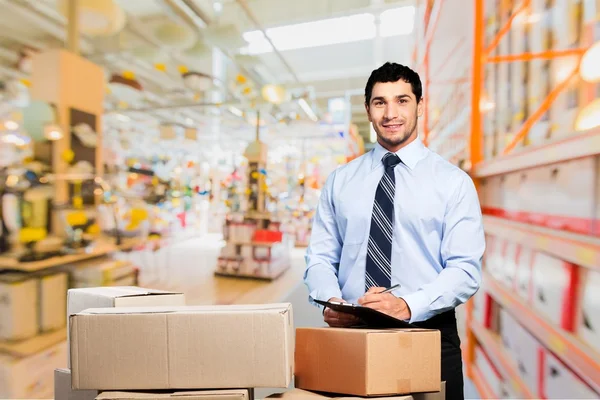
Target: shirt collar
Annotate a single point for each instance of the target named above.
(410, 154)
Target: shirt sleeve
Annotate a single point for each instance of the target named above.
(324, 249)
(462, 248)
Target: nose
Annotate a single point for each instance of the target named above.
(391, 111)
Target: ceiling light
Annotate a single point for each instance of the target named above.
(589, 68)
(11, 125)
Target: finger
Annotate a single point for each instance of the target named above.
(371, 298)
(375, 289)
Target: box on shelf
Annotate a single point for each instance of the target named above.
(536, 185)
(524, 284)
(528, 352)
(538, 89)
(492, 195)
(19, 306)
(241, 346)
(384, 362)
(300, 394)
(52, 290)
(488, 371)
(511, 201)
(63, 391)
(31, 377)
(571, 198)
(495, 259)
(485, 310)
(225, 394)
(508, 333)
(509, 271)
(588, 310)
(101, 272)
(122, 296)
(555, 286)
(559, 382)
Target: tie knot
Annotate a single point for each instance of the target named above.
(390, 160)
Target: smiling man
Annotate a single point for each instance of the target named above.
(399, 215)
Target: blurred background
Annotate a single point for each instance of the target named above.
(182, 145)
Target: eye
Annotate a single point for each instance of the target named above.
(378, 103)
(403, 101)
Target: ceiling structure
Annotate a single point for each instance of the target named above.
(318, 74)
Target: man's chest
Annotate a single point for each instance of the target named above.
(417, 207)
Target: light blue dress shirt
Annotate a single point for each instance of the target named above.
(438, 240)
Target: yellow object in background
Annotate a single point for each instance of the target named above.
(93, 229)
(68, 156)
(28, 235)
(75, 218)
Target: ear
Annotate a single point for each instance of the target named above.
(367, 108)
(420, 106)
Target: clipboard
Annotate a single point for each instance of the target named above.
(371, 318)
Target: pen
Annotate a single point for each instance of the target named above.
(389, 289)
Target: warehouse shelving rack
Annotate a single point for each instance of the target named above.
(580, 249)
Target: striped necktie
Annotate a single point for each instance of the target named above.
(379, 250)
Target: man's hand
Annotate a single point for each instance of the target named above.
(337, 319)
(386, 303)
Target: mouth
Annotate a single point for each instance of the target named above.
(392, 127)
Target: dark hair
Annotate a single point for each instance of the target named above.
(392, 72)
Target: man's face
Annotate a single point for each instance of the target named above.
(393, 110)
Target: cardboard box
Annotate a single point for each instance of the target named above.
(559, 382)
(123, 296)
(228, 394)
(53, 300)
(201, 347)
(488, 370)
(383, 362)
(527, 352)
(588, 315)
(555, 284)
(31, 377)
(509, 271)
(63, 391)
(524, 281)
(19, 306)
(300, 394)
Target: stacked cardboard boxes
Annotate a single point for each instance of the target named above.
(123, 347)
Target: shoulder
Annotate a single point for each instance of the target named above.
(448, 175)
(348, 171)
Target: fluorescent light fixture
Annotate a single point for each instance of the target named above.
(308, 110)
(53, 132)
(348, 29)
(236, 111)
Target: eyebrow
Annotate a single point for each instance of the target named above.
(398, 97)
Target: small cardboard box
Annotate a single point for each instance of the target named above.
(200, 347)
(299, 394)
(228, 394)
(368, 362)
(63, 391)
(123, 296)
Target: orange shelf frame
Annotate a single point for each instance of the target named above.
(579, 249)
(580, 357)
(494, 349)
(482, 386)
